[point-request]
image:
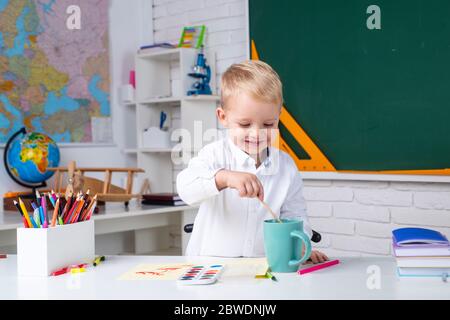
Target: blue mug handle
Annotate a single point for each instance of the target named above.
(301, 236)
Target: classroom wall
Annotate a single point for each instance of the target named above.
(355, 218)
(129, 25)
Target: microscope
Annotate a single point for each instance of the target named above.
(202, 73)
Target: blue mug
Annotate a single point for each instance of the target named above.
(283, 244)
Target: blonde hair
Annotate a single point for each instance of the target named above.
(252, 77)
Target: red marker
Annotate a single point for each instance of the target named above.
(318, 267)
(67, 269)
(60, 272)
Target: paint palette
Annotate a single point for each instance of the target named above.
(201, 275)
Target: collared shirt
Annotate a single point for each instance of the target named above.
(226, 224)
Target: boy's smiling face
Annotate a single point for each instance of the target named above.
(252, 124)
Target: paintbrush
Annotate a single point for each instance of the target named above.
(270, 210)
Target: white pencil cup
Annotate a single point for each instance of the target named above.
(41, 251)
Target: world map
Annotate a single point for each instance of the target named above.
(54, 78)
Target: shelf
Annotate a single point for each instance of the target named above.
(161, 150)
(130, 151)
(172, 251)
(156, 150)
(179, 99)
(204, 97)
(130, 104)
(164, 54)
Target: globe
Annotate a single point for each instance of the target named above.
(28, 156)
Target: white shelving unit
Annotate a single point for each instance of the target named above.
(129, 123)
(162, 83)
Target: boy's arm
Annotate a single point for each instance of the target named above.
(197, 182)
(294, 206)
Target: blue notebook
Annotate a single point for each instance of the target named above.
(418, 236)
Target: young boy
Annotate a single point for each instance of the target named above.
(228, 176)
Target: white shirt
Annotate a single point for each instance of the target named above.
(226, 224)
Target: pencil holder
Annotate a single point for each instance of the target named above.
(40, 251)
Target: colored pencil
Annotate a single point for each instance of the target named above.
(25, 223)
(44, 209)
(77, 211)
(70, 213)
(25, 212)
(36, 217)
(318, 267)
(51, 199)
(88, 209)
(41, 210)
(55, 213)
(66, 208)
(91, 211)
(54, 197)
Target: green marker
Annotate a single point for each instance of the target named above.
(271, 276)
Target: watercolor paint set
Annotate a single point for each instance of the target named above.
(201, 275)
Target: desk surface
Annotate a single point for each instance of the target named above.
(344, 281)
(12, 220)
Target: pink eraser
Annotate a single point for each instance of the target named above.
(318, 267)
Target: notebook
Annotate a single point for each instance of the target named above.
(164, 202)
(423, 272)
(418, 236)
(165, 196)
(170, 199)
(420, 250)
(423, 262)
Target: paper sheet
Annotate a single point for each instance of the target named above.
(239, 267)
(246, 267)
(156, 271)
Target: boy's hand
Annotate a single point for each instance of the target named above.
(316, 257)
(247, 184)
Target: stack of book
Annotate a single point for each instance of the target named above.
(421, 252)
(162, 199)
(156, 47)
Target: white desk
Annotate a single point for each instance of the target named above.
(116, 218)
(344, 281)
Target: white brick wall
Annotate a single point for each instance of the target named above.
(355, 218)
(225, 24)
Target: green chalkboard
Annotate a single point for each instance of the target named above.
(371, 98)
